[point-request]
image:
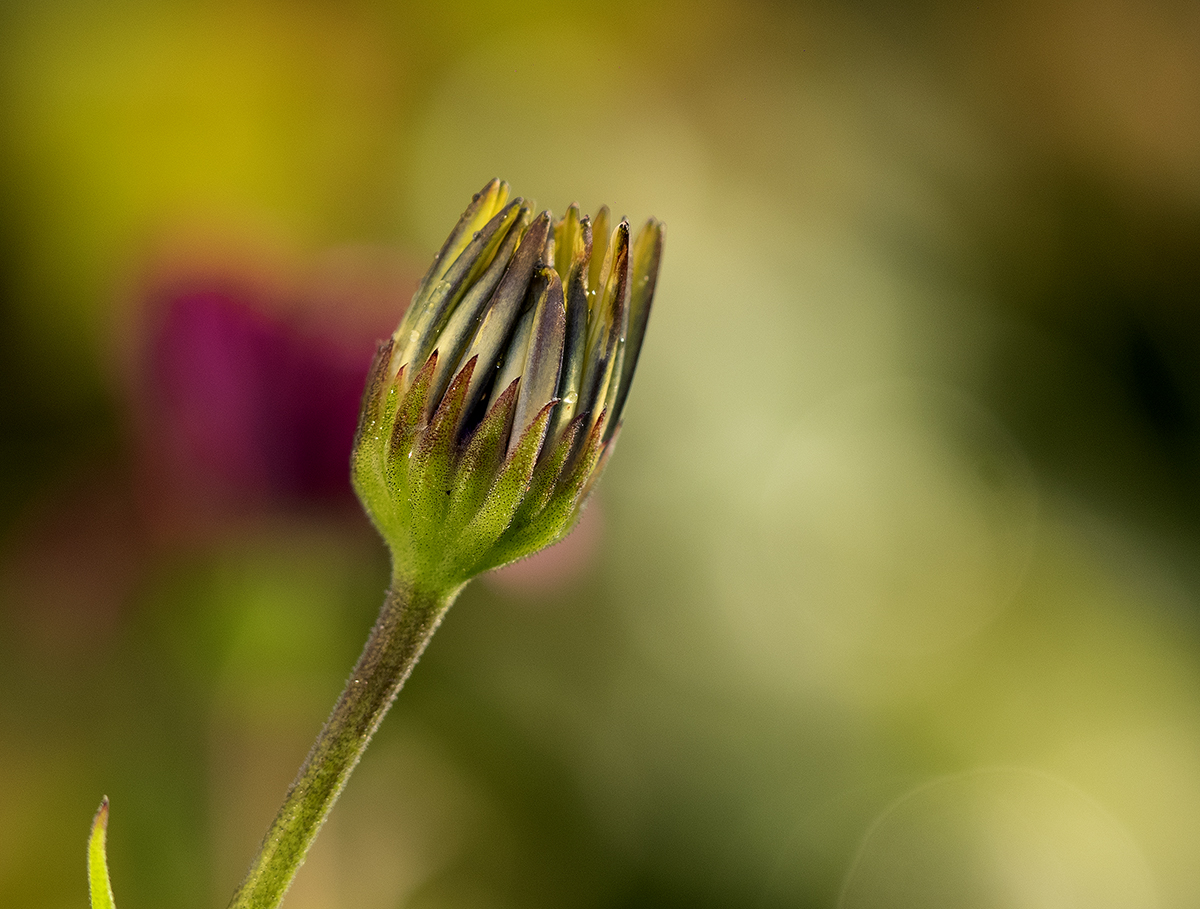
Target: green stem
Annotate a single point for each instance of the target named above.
(406, 622)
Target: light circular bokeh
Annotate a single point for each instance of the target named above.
(1000, 838)
(894, 523)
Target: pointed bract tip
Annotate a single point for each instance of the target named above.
(494, 187)
(99, 887)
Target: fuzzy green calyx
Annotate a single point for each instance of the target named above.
(491, 410)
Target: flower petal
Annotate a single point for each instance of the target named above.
(575, 333)
(484, 204)
(647, 254)
(465, 319)
(495, 331)
(607, 324)
(434, 307)
(543, 358)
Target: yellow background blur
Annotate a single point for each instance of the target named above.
(889, 597)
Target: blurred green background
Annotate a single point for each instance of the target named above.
(890, 597)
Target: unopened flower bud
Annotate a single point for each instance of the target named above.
(491, 410)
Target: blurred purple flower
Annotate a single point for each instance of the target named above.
(245, 401)
(253, 403)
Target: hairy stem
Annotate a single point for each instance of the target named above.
(406, 622)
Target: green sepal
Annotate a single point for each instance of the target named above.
(587, 457)
(405, 428)
(560, 513)
(368, 461)
(503, 499)
(602, 462)
(569, 492)
(484, 453)
(548, 472)
(431, 467)
(408, 422)
(98, 883)
(370, 416)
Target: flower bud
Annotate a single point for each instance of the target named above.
(491, 410)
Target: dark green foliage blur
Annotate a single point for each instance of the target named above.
(890, 594)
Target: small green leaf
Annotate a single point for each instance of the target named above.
(374, 425)
(101, 889)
